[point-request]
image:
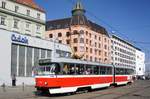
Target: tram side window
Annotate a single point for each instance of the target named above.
(52, 68)
(79, 69)
(129, 71)
(109, 70)
(96, 70)
(117, 71)
(103, 70)
(88, 70)
(120, 71)
(68, 69)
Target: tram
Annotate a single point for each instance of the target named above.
(62, 75)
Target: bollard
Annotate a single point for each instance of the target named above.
(23, 86)
(4, 87)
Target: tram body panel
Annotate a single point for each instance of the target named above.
(70, 81)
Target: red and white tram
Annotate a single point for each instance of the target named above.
(63, 75)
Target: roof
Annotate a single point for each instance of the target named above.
(125, 41)
(29, 3)
(66, 23)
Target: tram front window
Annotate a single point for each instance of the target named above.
(50, 69)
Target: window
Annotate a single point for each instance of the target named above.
(99, 52)
(43, 53)
(29, 61)
(96, 70)
(81, 40)
(50, 35)
(59, 35)
(87, 33)
(81, 32)
(87, 41)
(82, 49)
(2, 21)
(105, 46)
(90, 43)
(21, 60)
(99, 38)
(67, 34)
(14, 59)
(105, 54)
(28, 12)
(16, 8)
(68, 41)
(95, 51)
(99, 45)
(75, 32)
(105, 40)
(60, 41)
(36, 56)
(3, 4)
(90, 58)
(95, 37)
(75, 49)
(38, 27)
(16, 23)
(90, 50)
(75, 40)
(95, 44)
(90, 35)
(86, 49)
(27, 25)
(95, 59)
(38, 15)
(49, 52)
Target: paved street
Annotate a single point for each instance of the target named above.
(138, 90)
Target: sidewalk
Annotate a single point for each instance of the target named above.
(17, 92)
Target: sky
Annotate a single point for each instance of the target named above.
(129, 19)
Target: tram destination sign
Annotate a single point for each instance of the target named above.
(44, 61)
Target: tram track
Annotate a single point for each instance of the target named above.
(131, 93)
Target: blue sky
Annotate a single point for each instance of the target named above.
(130, 19)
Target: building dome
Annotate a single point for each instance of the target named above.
(78, 17)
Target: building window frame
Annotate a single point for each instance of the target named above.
(3, 21)
(28, 12)
(16, 8)
(38, 15)
(3, 4)
(16, 23)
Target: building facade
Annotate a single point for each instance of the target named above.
(88, 40)
(140, 63)
(22, 16)
(22, 28)
(123, 53)
(20, 53)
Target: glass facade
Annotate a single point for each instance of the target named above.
(25, 58)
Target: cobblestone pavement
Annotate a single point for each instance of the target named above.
(138, 90)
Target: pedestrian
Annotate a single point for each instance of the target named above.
(13, 80)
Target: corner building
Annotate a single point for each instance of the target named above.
(22, 27)
(86, 38)
(22, 16)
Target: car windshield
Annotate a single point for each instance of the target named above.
(49, 69)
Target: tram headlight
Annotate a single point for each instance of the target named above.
(46, 83)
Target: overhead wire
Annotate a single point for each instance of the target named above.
(116, 31)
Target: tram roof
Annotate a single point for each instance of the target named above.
(77, 61)
(69, 60)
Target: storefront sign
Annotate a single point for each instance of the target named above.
(19, 38)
